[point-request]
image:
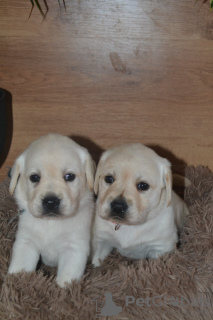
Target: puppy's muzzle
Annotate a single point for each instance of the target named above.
(51, 205)
(118, 207)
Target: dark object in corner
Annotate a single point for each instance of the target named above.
(3, 119)
(6, 124)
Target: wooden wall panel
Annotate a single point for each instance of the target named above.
(109, 72)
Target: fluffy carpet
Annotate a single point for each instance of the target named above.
(178, 285)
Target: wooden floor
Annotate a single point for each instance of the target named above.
(110, 71)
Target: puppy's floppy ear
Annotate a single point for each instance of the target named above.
(99, 169)
(15, 172)
(90, 168)
(97, 176)
(167, 177)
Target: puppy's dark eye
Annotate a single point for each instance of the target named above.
(109, 179)
(143, 186)
(69, 177)
(35, 178)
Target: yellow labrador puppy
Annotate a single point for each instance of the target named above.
(52, 181)
(136, 211)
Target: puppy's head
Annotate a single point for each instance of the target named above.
(52, 177)
(132, 181)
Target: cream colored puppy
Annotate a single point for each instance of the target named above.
(136, 211)
(53, 181)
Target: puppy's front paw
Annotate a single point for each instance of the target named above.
(12, 269)
(96, 262)
(62, 282)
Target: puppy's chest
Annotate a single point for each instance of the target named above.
(133, 244)
(116, 234)
(48, 237)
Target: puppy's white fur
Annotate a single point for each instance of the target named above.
(61, 240)
(150, 225)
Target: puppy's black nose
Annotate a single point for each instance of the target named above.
(51, 204)
(119, 207)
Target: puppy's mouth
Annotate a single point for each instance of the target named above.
(117, 220)
(51, 215)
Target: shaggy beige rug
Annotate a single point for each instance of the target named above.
(178, 285)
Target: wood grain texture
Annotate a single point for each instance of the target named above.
(110, 72)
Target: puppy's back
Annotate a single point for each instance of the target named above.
(180, 210)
